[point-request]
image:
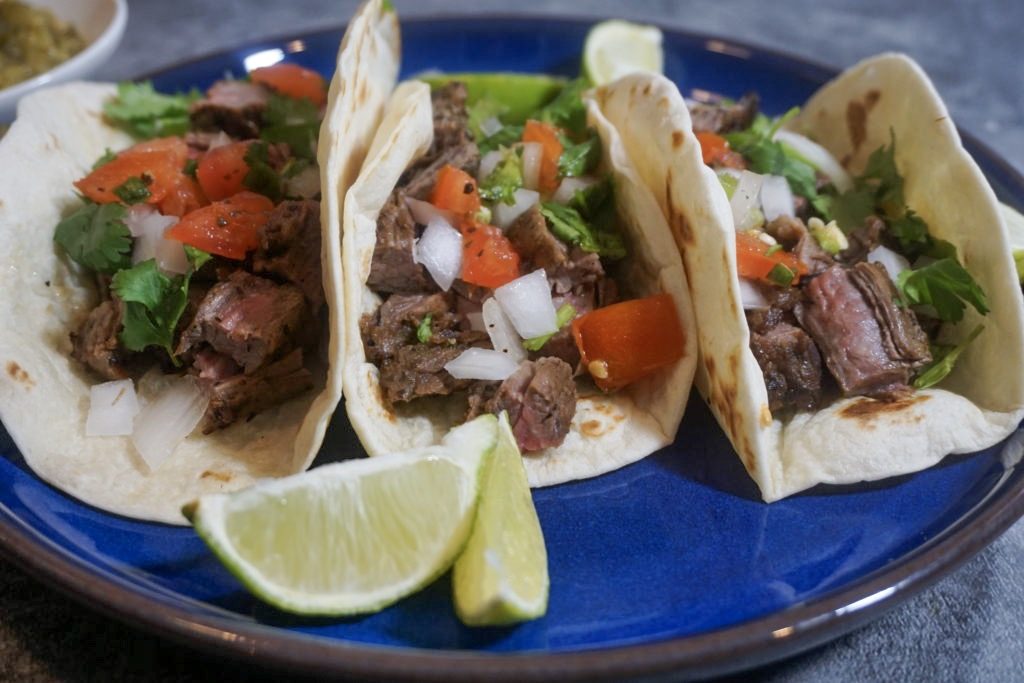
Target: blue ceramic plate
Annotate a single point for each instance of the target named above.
(671, 564)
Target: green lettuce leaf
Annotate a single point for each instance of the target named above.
(145, 113)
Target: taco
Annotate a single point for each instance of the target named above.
(166, 312)
(856, 300)
(495, 262)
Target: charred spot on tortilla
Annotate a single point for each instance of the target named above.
(856, 124)
(592, 428)
(647, 89)
(867, 409)
(18, 374)
(219, 476)
(677, 139)
(677, 221)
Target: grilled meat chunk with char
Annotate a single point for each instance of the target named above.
(722, 117)
(540, 398)
(235, 107)
(96, 345)
(290, 248)
(241, 396)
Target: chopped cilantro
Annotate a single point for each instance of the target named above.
(945, 285)
(153, 302)
(145, 113)
(293, 121)
(851, 208)
(569, 226)
(567, 111)
(190, 168)
(261, 177)
(944, 357)
(134, 190)
(911, 233)
(483, 109)
(96, 237)
(563, 316)
(579, 158)
(508, 135)
(423, 331)
(507, 177)
(107, 157)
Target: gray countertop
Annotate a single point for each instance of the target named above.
(966, 628)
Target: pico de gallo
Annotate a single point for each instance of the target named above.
(203, 239)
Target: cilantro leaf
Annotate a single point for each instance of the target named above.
(563, 316)
(507, 177)
(96, 237)
(944, 358)
(423, 331)
(134, 190)
(190, 168)
(579, 158)
(881, 174)
(145, 113)
(911, 233)
(852, 208)
(107, 157)
(292, 121)
(567, 110)
(566, 223)
(944, 285)
(261, 177)
(197, 258)
(153, 303)
(508, 135)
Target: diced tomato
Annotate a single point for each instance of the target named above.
(158, 162)
(222, 169)
(292, 80)
(186, 196)
(624, 342)
(547, 136)
(716, 152)
(754, 262)
(228, 228)
(488, 257)
(455, 191)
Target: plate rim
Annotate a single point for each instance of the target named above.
(730, 649)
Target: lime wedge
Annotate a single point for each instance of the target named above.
(615, 48)
(502, 575)
(355, 536)
(521, 94)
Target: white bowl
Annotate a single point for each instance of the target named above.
(101, 24)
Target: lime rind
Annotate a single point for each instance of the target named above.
(616, 48)
(462, 458)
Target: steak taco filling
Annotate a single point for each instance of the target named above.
(845, 291)
(496, 262)
(204, 240)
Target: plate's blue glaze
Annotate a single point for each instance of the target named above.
(674, 546)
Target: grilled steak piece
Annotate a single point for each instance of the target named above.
(394, 323)
(96, 345)
(540, 397)
(241, 396)
(862, 240)
(794, 236)
(419, 179)
(417, 370)
(393, 268)
(453, 144)
(236, 107)
(290, 248)
(869, 344)
(249, 318)
(536, 244)
(720, 117)
(791, 366)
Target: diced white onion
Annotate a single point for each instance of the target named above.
(484, 364)
(476, 321)
(570, 186)
(440, 251)
(488, 163)
(423, 212)
(752, 297)
(112, 408)
(148, 227)
(219, 140)
(533, 152)
(502, 332)
(490, 126)
(165, 422)
(818, 156)
(527, 302)
(505, 215)
(305, 183)
(746, 200)
(893, 263)
(776, 197)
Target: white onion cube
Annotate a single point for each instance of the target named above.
(440, 251)
(776, 198)
(501, 331)
(505, 215)
(485, 364)
(165, 422)
(112, 408)
(527, 302)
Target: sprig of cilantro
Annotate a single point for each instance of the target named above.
(144, 113)
(946, 286)
(567, 111)
(501, 184)
(944, 358)
(588, 221)
(579, 158)
(261, 176)
(96, 237)
(295, 121)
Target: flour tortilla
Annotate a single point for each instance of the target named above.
(608, 430)
(853, 439)
(44, 393)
